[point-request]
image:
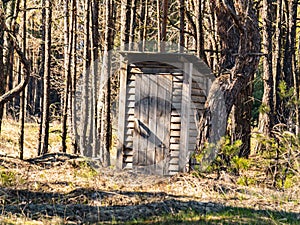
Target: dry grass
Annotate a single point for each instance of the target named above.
(58, 189)
(9, 138)
(66, 189)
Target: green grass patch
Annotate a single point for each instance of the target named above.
(228, 215)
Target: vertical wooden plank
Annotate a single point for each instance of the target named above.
(168, 109)
(160, 129)
(136, 139)
(185, 115)
(164, 94)
(143, 119)
(122, 114)
(153, 83)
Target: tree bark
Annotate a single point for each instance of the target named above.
(75, 135)
(22, 94)
(125, 23)
(2, 77)
(86, 76)
(199, 29)
(182, 25)
(266, 116)
(67, 72)
(165, 9)
(42, 71)
(277, 54)
(46, 88)
(158, 21)
(8, 49)
(143, 24)
(240, 128)
(236, 69)
(132, 23)
(105, 126)
(7, 96)
(10, 12)
(94, 67)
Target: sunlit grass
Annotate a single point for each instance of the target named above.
(246, 202)
(10, 133)
(229, 215)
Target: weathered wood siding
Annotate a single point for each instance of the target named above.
(197, 106)
(129, 121)
(187, 103)
(175, 123)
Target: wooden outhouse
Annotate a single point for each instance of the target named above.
(161, 98)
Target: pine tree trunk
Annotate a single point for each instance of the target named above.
(125, 23)
(199, 29)
(158, 9)
(240, 127)
(165, 9)
(42, 72)
(94, 66)
(75, 135)
(277, 54)
(236, 69)
(143, 17)
(11, 8)
(105, 126)
(46, 87)
(7, 63)
(67, 76)
(2, 76)
(266, 117)
(290, 78)
(182, 26)
(22, 94)
(132, 22)
(293, 26)
(86, 76)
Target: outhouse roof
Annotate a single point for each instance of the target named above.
(163, 60)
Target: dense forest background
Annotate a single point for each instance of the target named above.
(48, 47)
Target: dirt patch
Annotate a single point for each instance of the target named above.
(69, 188)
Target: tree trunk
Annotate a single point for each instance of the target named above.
(9, 95)
(86, 76)
(2, 76)
(66, 73)
(47, 66)
(22, 94)
(94, 66)
(125, 23)
(240, 128)
(142, 19)
(144, 30)
(293, 7)
(199, 29)
(158, 20)
(236, 69)
(75, 135)
(292, 121)
(132, 23)
(105, 126)
(182, 27)
(42, 72)
(165, 9)
(10, 11)
(277, 54)
(266, 116)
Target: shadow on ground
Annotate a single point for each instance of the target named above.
(96, 206)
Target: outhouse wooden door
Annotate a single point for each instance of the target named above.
(151, 138)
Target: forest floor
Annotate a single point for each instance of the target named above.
(66, 189)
